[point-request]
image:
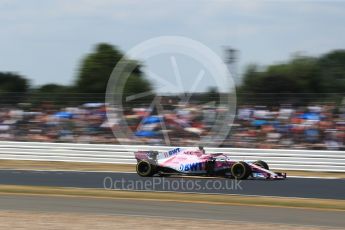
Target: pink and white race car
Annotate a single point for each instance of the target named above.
(196, 162)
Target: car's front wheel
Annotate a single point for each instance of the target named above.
(145, 169)
(240, 170)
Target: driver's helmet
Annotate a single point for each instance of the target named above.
(201, 148)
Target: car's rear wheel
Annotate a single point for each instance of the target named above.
(262, 164)
(145, 169)
(240, 170)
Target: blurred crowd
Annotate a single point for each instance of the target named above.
(307, 127)
(290, 127)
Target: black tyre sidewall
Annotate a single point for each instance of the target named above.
(246, 170)
(149, 172)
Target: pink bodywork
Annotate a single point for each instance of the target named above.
(194, 161)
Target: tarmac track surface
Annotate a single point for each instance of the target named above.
(160, 209)
(291, 187)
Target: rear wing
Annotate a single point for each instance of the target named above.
(146, 155)
(155, 155)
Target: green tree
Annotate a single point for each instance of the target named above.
(12, 83)
(13, 88)
(53, 88)
(54, 93)
(211, 95)
(332, 72)
(302, 79)
(96, 69)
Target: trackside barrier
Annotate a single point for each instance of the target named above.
(307, 160)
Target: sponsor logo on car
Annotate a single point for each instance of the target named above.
(172, 152)
(192, 167)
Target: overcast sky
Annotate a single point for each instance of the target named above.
(45, 40)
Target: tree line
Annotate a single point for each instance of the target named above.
(302, 79)
(89, 84)
(298, 80)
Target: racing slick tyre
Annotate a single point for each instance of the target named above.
(240, 170)
(145, 169)
(262, 164)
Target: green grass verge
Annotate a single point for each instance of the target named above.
(324, 204)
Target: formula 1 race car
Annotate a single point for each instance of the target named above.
(196, 162)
